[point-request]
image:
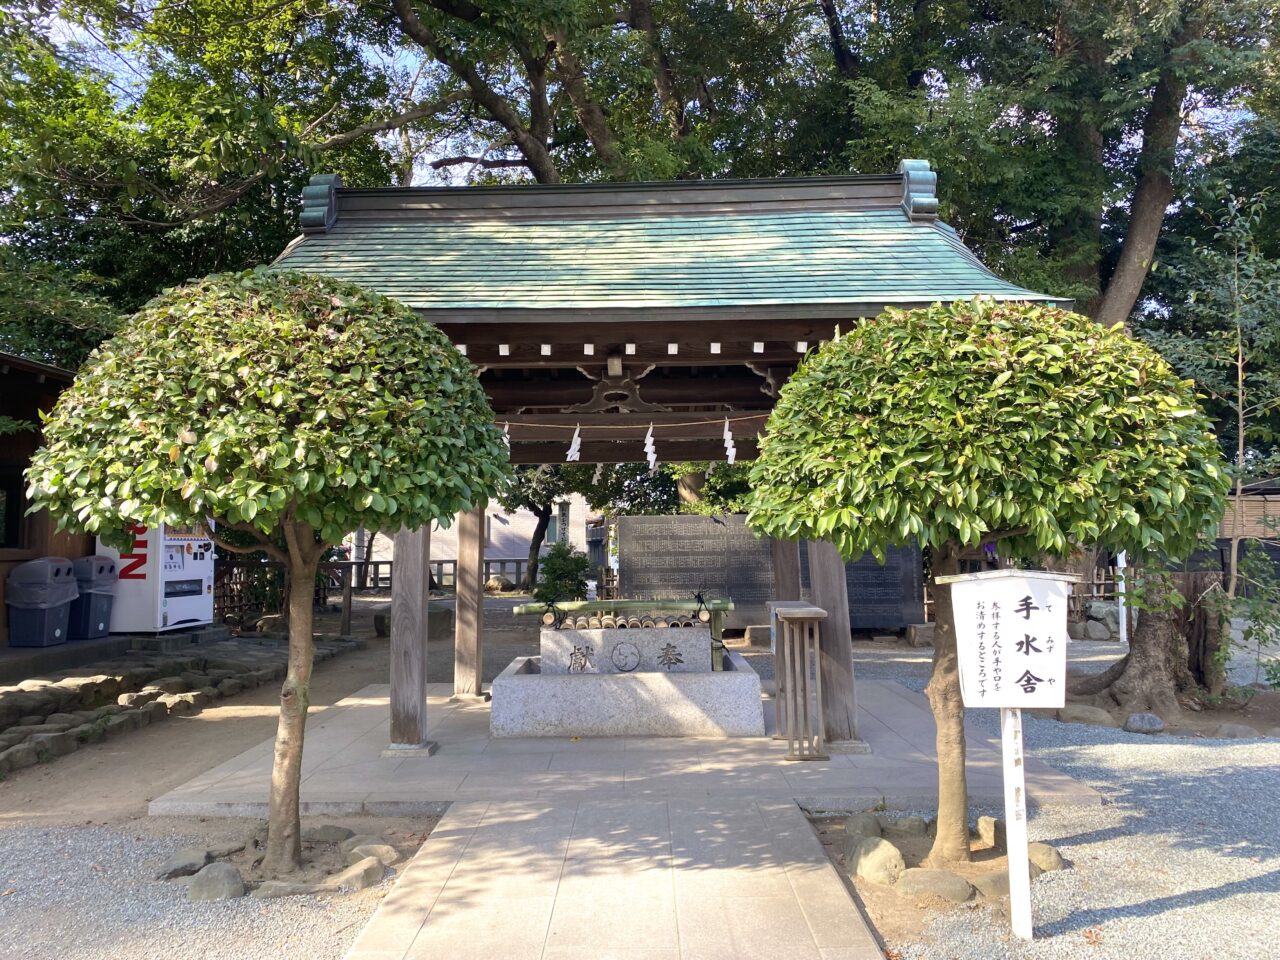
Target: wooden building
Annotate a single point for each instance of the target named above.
(621, 311)
(27, 388)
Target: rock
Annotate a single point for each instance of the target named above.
(916, 826)
(862, 825)
(1096, 630)
(384, 853)
(269, 889)
(169, 685)
(991, 832)
(921, 882)
(875, 860)
(120, 723)
(219, 850)
(1044, 856)
(50, 745)
(209, 693)
(52, 728)
(155, 710)
(1106, 612)
(184, 862)
(8, 740)
(327, 833)
(920, 634)
(140, 698)
(363, 873)
(89, 732)
(32, 721)
(66, 720)
(359, 840)
(995, 885)
(1075, 630)
(230, 687)
(17, 757)
(1083, 713)
(217, 881)
(1144, 723)
(1233, 731)
(498, 585)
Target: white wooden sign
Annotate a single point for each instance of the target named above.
(1011, 638)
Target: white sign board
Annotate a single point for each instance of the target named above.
(1011, 636)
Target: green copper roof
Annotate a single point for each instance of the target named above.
(835, 245)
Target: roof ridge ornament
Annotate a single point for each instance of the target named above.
(919, 190)
(320, 203)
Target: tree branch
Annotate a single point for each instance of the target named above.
(418, 112)
(534, 150)
(261, 547)
(487, 162)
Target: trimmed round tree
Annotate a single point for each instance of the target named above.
(288, 408)
(979, 423)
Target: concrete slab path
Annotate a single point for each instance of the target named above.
(344, 773)
(623, 879)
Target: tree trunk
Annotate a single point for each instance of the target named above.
(1154, 190)
(951, 844)
(1204, 629)
(543, 514)
(1147, 679)
(689, 486)
(284, 834)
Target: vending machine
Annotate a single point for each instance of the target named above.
(166, 580)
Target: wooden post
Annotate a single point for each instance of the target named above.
(344, 625)
(831, 593)
(409, 595)
(1015, 821)
(786, 570)
(468, 647)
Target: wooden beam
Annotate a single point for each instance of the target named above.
(742, 391)
(690, 353)
(468, 637)
(831, 593)
(632, 426)
(410, 591)
(631, 451)
(604, 334)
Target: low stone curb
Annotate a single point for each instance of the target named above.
(47, 717)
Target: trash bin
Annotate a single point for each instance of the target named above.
(91, 610)
(39, 595)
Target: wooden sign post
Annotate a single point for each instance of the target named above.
(1011, 637)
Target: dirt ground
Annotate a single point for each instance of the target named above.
(897, 919)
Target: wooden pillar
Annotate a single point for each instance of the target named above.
(468, 645)
(410, 592)
(831, 593)
(786, 570)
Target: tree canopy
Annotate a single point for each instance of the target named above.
(261, 398)
(978, 421)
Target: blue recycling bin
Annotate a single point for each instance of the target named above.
(90, 615)
(39, 594)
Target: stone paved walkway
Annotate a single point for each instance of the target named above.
(629, 848)
(626, 879)
(343, 772)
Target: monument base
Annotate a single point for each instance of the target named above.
(529, 703)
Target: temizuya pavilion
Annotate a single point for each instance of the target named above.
(608, 308)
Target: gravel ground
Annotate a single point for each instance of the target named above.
(88, 893)
(1182, 861)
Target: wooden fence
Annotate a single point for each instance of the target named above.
(244, 589)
